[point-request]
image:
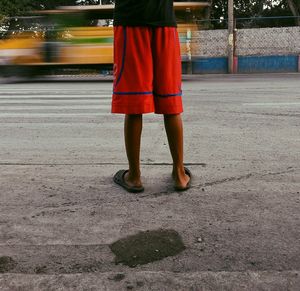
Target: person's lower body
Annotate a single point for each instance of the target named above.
(148, 79)
(174, 130)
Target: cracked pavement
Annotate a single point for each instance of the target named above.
(59, 210)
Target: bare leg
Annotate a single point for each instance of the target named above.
(132, 131)
(174, 130)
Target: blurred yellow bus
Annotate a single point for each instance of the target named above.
(74, 37)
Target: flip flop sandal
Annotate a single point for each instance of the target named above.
(188, 186)
(119, 178)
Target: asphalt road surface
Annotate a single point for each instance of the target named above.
(59, 210)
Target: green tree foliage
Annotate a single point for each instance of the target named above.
(294, 5)
(10, 8)
(252, 8)
(257, 8)
(243, 8)
(19, 7)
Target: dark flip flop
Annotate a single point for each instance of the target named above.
(120, 180)
(188, 186)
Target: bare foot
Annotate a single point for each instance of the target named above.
(133, 181)
(181, 179)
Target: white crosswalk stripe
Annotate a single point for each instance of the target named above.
(21, 105)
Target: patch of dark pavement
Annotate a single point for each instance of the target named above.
(7, 264)
(146, 247)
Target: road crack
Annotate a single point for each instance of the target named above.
(245, 177)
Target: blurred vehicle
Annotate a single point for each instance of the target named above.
(74, 37)
(20, 44)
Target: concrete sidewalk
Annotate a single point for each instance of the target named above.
(59, 210)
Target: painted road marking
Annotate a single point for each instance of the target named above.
(51, 102)
(58, 95)
(34, 89)
(40, 103)
(273, 104)
(66, 114)
(52, 107)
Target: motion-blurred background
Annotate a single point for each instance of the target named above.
(76, 37)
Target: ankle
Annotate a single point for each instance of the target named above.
(134, 175)
(133, 180)
(178, 171)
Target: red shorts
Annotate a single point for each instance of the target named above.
(147, 71)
